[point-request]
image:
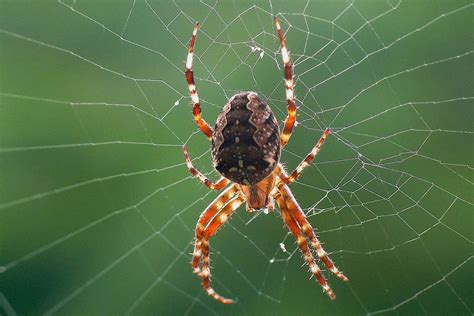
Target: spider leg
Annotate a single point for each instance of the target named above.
(305, 226)
(288, 218)
(221, 183)
(204, 219)
(201, 123)
(289, 86)
(222, 217)
(309, 158)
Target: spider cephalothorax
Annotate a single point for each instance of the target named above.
(246, 146)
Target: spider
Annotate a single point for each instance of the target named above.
(246, 146)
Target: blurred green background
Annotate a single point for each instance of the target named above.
(97, 208)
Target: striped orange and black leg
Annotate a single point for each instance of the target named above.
(221, 183)
(289, 87)
(289, 220)
(204, 219)
(201, 123)
(309, 158)
(305, 226)
(224, 214)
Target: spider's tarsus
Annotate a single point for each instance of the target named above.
(186, 155)
(228, 301)
(343, 277)
(277, 23)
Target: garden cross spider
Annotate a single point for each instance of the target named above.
(246, 146)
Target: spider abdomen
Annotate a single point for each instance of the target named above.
(246, 140)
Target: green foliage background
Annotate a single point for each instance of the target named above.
(97, 208)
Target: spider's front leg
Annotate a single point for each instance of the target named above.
(224, 214)
(305, 226)
(221, 183)
(290, 221)
(217, 213)
(204, 219)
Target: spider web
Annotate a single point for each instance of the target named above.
(98, 209)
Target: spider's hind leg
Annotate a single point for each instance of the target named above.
(201, 123)
(289, 87)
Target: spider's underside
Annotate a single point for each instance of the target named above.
(246, 147)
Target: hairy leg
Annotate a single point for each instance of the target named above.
(201, 123)
(220, 184)
(289, 87)
(224, 214)
(204, 219)
(305, 226)
(289, 220)
(309, 158)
